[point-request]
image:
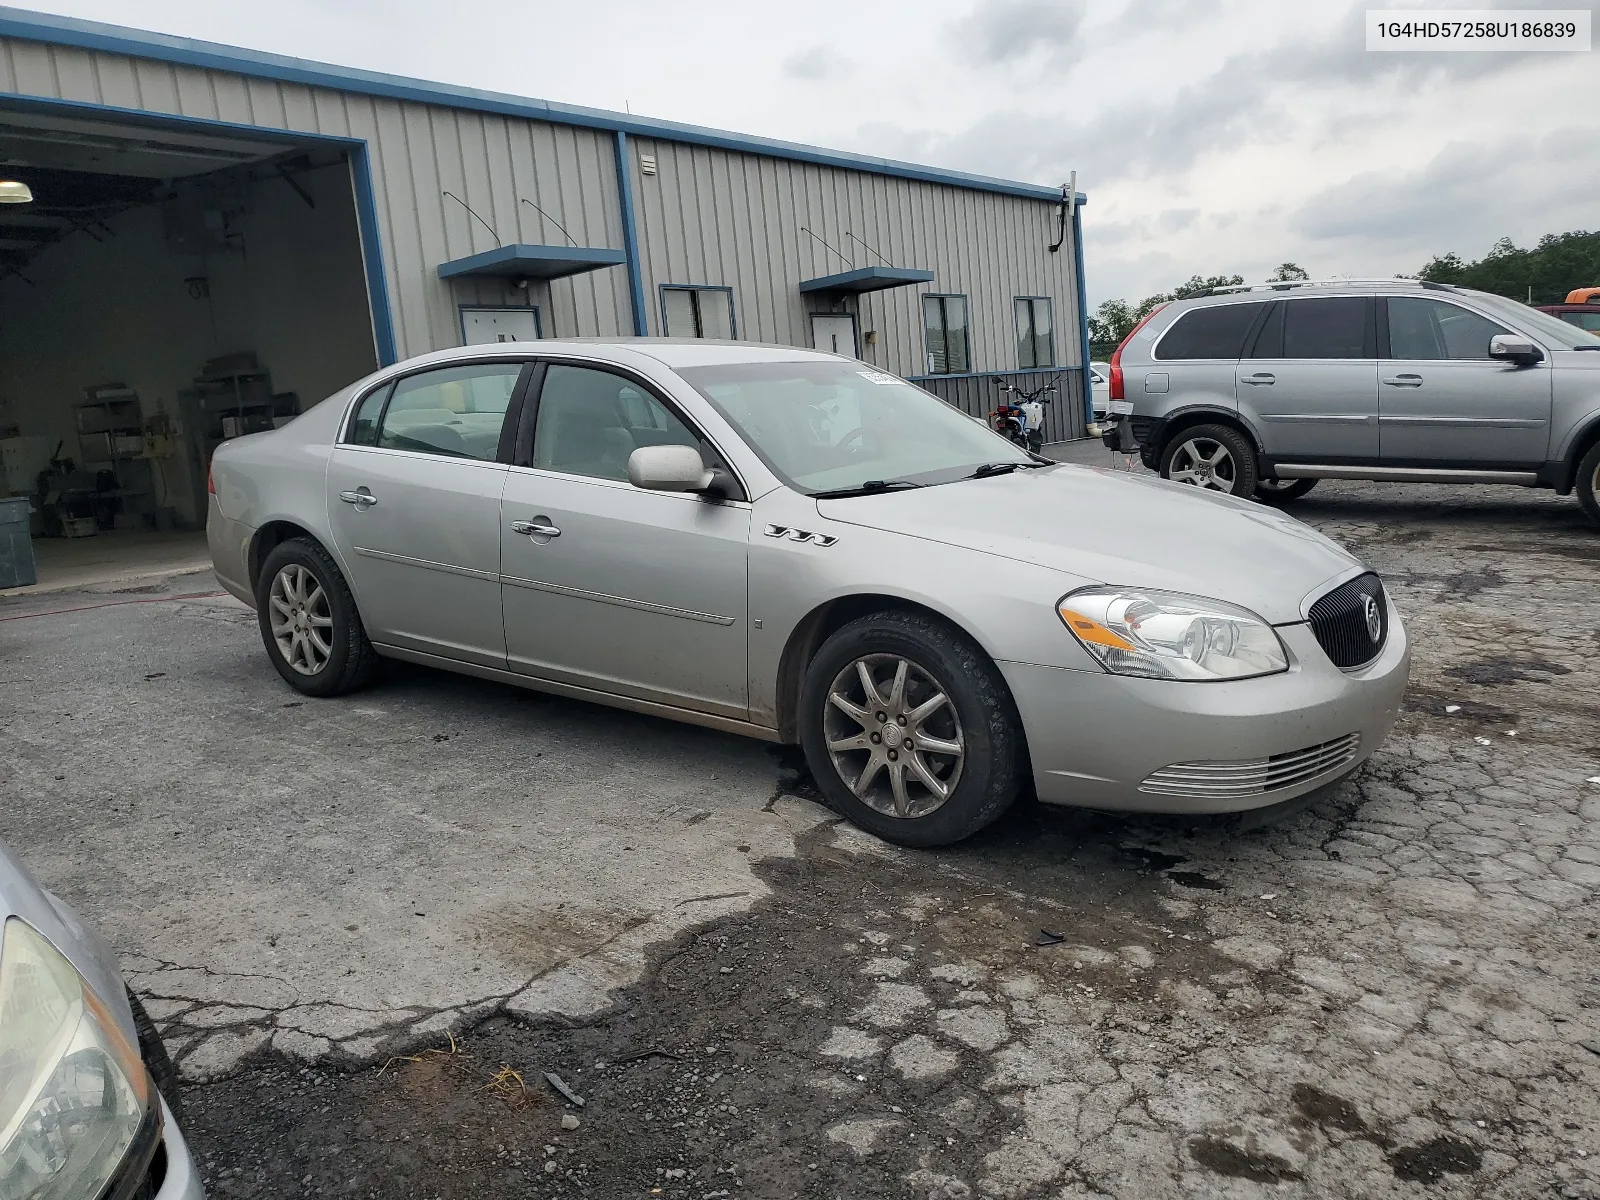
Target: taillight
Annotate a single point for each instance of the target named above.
(211, 484)
(1116, 355)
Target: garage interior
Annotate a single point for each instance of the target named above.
(166, 288)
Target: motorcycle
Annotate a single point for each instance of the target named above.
(1023, 419)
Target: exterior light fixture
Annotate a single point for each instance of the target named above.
(14, 192)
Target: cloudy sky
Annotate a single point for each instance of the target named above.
(1212, 136)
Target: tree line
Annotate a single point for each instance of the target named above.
(1543, 274)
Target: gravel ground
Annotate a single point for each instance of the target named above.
(1393, 993)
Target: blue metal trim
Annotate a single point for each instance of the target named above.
(463, 309)
(867, 279)
(534, 262)
(363, 192)
(630, 237)
(733, 312)
(118, 39)
(992, 374)
(1083, 317)
(366, 197)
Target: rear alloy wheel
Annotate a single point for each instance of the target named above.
(1281, 491)
(1211, 456)
(309, 623)
(1589, 483)
(910, 731)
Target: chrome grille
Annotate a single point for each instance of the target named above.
(1339, 622)
(1253, 777)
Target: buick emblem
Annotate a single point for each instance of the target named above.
(1374, 616)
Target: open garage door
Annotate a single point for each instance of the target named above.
(167, 288)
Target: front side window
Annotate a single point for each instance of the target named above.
(822, 426)
(454, 411)
(944, 320)
(1215, 332)
(1421, 328)
(590, 421)
(1036, 339)
(697, 312)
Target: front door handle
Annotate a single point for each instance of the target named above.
(361, 498)
(1261, 377)
(1403, 381)
(535, 528)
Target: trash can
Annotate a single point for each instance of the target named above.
(16, 547)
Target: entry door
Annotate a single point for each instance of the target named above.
(486, 326)
(414, 506)
(835, 333)
(1443, 399)
(611, 587)
(1310, 382)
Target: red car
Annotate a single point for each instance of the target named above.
(1582, 308)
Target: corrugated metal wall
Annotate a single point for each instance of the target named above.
(708, 216)
(417, 151)
(715, 217)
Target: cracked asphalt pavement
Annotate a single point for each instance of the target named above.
(369, 926)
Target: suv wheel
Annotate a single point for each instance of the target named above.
(1281, 491)
(1211, 456)
(309, 621)
(910, 731)
(1589, 483)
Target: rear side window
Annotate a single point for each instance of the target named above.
(1327, 327)
(1217, 332)
(454, 411)
(364, 426)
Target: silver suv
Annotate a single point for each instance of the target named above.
(1265, 389)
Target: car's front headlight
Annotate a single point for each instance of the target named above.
(73, 1092)
(1167, 635)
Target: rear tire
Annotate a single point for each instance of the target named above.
(1216, 457)
(309, 622)
(1589, 483)
(153, 1051)
(970, 747)
(1282, 491)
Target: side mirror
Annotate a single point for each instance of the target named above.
(1511, 348)
(668, 469)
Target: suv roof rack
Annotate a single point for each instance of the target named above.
(1283, 285)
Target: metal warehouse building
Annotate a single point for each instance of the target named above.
(218, 238)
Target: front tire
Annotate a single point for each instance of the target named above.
(1215, 457)
(1282, 491)
(910, 731)
(309, 623)
(1588, 485)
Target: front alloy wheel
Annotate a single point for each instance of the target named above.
(302, 623)
(893, 736)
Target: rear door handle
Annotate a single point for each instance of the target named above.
(1403, 381)
(1261, 377)
(361, 498)
(535, 529)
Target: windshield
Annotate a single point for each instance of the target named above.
(827, 425)
(1542, 325)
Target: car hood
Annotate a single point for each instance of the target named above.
(1101, 526)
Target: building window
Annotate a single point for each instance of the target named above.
(1036, 338)
(945, 320)
(697, 312)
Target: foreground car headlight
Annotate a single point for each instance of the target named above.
(73, 1092)
(1167, 635)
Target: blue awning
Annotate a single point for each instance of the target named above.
(532, 262)
(867, 279)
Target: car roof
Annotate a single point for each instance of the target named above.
(671, 352)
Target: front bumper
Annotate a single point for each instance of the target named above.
(182, 1181)
(1096, 738)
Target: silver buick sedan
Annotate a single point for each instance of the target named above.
(799, 547)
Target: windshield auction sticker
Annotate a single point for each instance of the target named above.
(1477, 29)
